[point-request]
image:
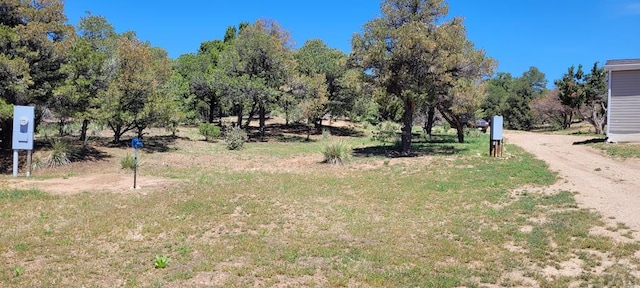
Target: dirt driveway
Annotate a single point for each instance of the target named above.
(610, 186)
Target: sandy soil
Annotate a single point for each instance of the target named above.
(610, 186)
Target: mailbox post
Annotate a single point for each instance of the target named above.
(22, 139)
(495, 145)
(135, 144)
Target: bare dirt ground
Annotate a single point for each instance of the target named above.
(609, 186)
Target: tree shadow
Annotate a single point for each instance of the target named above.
(159, 144)
(344, 131)
(590, 141)
(436, 145)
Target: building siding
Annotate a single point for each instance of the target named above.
(625, 102)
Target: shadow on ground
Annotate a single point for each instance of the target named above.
(436, 145)
(590, 141)
(297, 133)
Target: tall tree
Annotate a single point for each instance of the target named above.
(129, 101)
(413, 53)
(595, 105)
(571, 90)
(32, 50)
(260, 61)
(84, 70)
(585, 94)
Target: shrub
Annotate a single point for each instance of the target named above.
(336, 152)
(235, 138)
(209, 131)
(128, 162)
(59, 155)
(472, 132)
(388, 132)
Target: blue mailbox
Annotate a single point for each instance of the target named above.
(23, 122)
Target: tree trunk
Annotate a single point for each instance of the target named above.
(251, 113)
(61, 127)
(318, 125)
(83, 131)
(220, 115)
(262, 115)
(431, 115)
(212, 108)
(460, 130)
(407, 121)
(240, 112)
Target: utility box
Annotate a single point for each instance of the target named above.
(495, 143)
(23, 123)
(497, 122)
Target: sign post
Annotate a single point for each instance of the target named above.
(135, 144)
(495, 144)
(22, 135)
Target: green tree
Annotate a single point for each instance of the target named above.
(259, 62)
(414, 54)
(85, 73)
(585, 94)
(131, 98)
(512, 97)
(595, 105)
(33, 46)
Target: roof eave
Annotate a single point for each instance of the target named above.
(622, 67)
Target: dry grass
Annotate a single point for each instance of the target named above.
(273, 215)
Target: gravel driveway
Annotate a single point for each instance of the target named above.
(610, 186)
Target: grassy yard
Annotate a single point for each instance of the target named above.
(619, 150)
(273, 215)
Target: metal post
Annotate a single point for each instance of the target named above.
(135, 167)
(15, 163)
(29, 159)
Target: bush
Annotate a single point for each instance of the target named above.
(235, 138)
(336, 153)
(128, 162)
(59, 155)
(472, 132)
(209, 131)
(388, 132)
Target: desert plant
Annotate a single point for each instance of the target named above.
(336, 152)
(59, 155)
(161, 261)
(128, 162)
(388, 132)
(209, 131)
(235, 138)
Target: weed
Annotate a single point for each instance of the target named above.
(128, 162)
(161, 261)
(336, 152)
(235, 138)
(18, 271)
(388, 132)
(209, 131)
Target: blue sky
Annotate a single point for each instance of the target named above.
(551, 35)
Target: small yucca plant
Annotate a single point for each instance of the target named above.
(336, 152)
(128, 162)
(59, 155)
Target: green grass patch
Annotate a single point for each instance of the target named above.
(443, 218)
(619, 150)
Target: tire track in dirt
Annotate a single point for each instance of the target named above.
(610, 186)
